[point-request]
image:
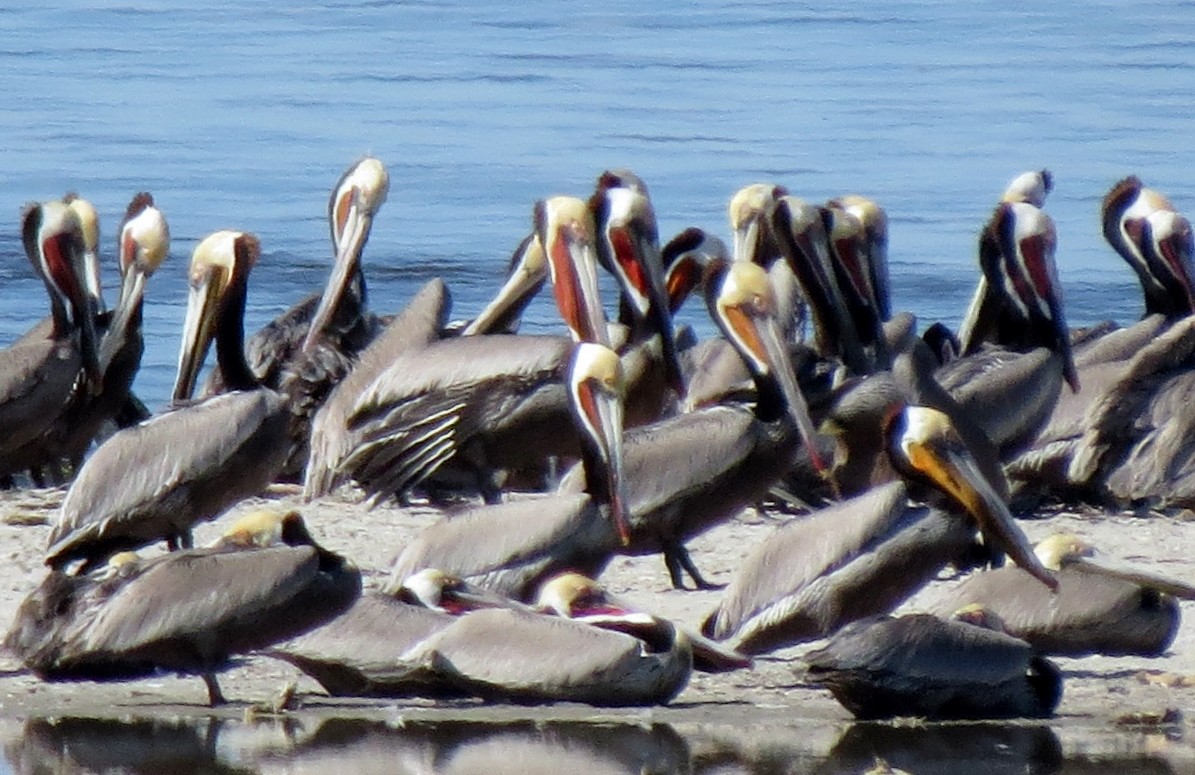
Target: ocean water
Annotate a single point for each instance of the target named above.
(245, 118)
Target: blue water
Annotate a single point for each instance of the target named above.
(245, 118)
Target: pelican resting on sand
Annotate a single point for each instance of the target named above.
(1098, 608)
(921, 665)
(186, 611)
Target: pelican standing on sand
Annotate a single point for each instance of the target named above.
(687, 473)
(154, 481)
(142, 245)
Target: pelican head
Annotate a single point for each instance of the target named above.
(1058, 549)
(628, 246)
(747, 212)
(742, 302)
(1017, 254)
(434, 589)
(89, 221)
(875, 230)
(220, 267)
(924, 445)
(143, 244)
(55, 245)
(980, 616)
(263, 528)
(597, 388)
(685, 258)
(356, 199)
(1167, 246)
(566, 230)
(1030, 187)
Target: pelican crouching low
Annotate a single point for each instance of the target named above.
(186, 611)
(920, 665)
(1098, 609)
(513, 655)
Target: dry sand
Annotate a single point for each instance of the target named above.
(1109, 704)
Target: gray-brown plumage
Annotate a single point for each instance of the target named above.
(143, 242)
(1098, 609)
(155, 480)
(687, 473)
(921, 665)
(359, 653)
(187, 611)
(864, 556)
(331, 440)
(40, 371)
(518, 656)
(512, 547)
(487, 404)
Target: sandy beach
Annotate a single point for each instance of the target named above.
(1108, 705)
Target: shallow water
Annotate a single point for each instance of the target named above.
(245, 118)
(364, 746)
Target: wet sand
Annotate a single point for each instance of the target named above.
(1108, 705)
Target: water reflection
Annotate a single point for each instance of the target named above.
(363, 747)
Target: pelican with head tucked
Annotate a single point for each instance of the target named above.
(1099, 608)
(187, 611)
(154, 481)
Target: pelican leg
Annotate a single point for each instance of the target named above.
(214, 695)
(678, 562)
(178, 541)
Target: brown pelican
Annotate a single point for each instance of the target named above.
(731, 455)
(415, 327)
(628, 247)
(921, 665)
(1012, 387)
(489, 404)
(186, 611)
(864, 556)
(143, 242)
(1098, 609)
(40, 372)
(1124, 436)
(578, 597)
(512, 547)
(155, 480)
(338, 317)
(859, 268)
(359, 652)
(515, 655)
(800, 231)
(1129, 216)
